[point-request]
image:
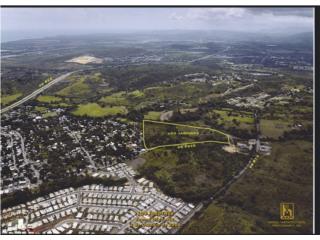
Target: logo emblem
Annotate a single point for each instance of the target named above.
(287, 211)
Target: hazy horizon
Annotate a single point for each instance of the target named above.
(26, 23)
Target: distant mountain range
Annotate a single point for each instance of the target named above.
(304, 39)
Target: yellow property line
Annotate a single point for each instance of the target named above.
(186, 143)
(144, 143)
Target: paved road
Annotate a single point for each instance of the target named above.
(257, 123)
(88, 156)
(36, 92)
(27, 160)
(23, 151)
(131, 180)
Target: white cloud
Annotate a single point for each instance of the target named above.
(209, 14)
(246, 19)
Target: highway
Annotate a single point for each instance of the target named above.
(36, 92)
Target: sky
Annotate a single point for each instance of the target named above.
(19, 23)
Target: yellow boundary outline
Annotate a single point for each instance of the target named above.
(186, 143)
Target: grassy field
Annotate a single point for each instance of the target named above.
(153, 115)
(186, 91)
(230, 115)
(136, 93)
(284, 176)
(117, 99)
(7, 99)
(40, 109)
(123, 99)
(76, 89)
(49, 114)
(231, 118)
(60, 104)
(95, 110)
(274, 128)
(48, 99)
(97, 77)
